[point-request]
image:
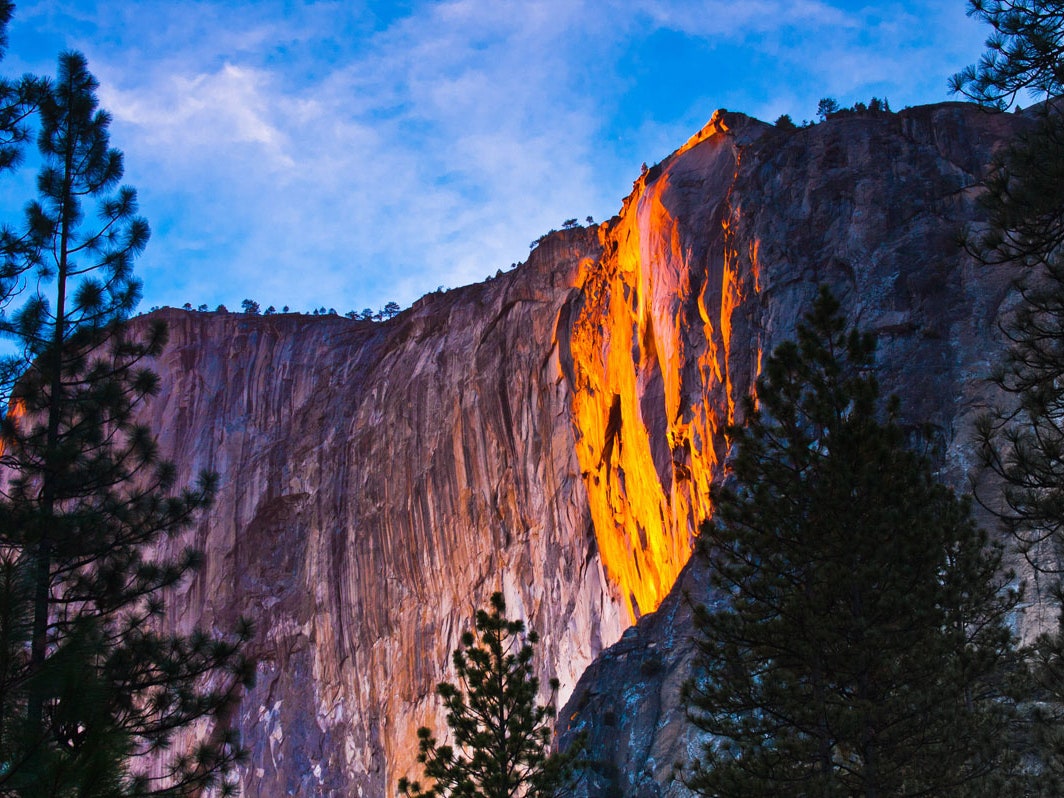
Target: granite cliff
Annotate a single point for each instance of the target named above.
(552, 433)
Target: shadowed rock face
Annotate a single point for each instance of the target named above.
(552, 433)
(874, 208)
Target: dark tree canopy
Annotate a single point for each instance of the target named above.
(1023, 443)
(1022, 440)
(88, 681)
(857, 626)
(826, 107)
(1024, 52)
(502, 736)
(18, 100)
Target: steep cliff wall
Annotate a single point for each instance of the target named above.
(552, 433)
(874, 208)
(379, 481)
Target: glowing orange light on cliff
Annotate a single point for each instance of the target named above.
(713, 127)
(16, 411)
(650, 397)
(646, 454)
(628, 505)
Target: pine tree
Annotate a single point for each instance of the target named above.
(18, 101)
(90, 684)
(1023, 53)
(1024, 202)
(857, 626)
(1022, 441)
(502, 737)
(826, 107)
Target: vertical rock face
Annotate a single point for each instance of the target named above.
(379, 482)
(873, 207)
(648, 393)
(552, 433)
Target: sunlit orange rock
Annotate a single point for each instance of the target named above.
(15, 412)
(553, 433)
(378, 483)
(650, 392)
(872, 206)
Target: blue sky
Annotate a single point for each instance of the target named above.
(344, 154)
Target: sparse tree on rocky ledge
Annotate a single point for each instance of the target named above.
(826, 107)
(502, 736)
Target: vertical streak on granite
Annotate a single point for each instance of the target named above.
(874, 207)
(651, 375)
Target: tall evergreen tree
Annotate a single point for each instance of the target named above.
(502, 737)
(857, 625)
(91, 685)
(1022, 442)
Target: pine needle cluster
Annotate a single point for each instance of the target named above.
(93, 690)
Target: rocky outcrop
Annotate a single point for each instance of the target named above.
(552, 433)
(873, 207)
(379, 482)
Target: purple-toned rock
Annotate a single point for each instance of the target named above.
(552, 433)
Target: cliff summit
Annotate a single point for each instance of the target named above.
(552, 434)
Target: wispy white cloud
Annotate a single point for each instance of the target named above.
(230, 106)
(344, 154)
(434, 158)
(748, 18)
